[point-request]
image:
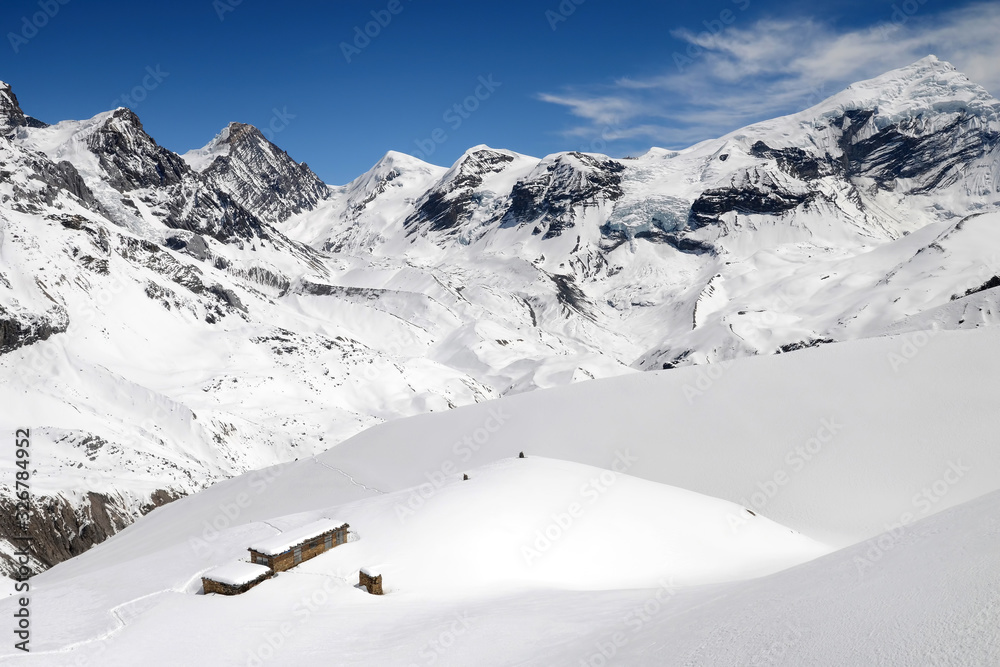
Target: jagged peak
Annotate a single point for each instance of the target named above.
(482, 150)
(10, 111)
(126, 115)
(232, 135)
(238, 132)
(482, 159)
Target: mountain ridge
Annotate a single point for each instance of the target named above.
(262, 315)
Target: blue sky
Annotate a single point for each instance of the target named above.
(535, 77)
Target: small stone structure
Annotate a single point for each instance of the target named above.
(285, 551)
(234, 578)
(371, 580)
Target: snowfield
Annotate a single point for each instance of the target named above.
(625, 530)
(733, 404)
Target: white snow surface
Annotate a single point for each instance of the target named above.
(878, 547)
(199, 159)
(279, 544)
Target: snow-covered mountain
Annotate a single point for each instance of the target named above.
(170, 321)
(257, 174)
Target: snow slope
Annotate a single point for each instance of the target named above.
(650, 555)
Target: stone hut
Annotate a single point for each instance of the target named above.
(371, 579)
(234, 578)
(291, 547)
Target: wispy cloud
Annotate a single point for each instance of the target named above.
(773, 67)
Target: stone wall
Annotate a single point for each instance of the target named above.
(372, 584)
(212, 586)
(310, 549)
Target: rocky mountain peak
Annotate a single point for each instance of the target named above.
(11, 115)
(131, 158)
(242, 162)
(236, 133)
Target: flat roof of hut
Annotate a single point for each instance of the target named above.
(234, 578)
(289, 539)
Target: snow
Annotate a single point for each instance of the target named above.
(869, 551)
(750, 495)
(199, 159)
(370, 572)
(237, 574)
(279, 544)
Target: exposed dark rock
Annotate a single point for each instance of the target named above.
(21, 328)
(905, 151)
(317, 289)
(61, 530)
(11, 115)
(569, 294)
(64, 176)
(547, 200)
(263, 277)
(131, 158)
(677, 361)
(148, 254)
(193, 245)
(263, 178)
(803, 344)
(96, 264)
(444, 209)
(989, 284)
(793, 161)
(761, 198)
(227, 296)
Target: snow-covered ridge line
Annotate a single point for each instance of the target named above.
(253, 315)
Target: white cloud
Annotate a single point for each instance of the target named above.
(773, 67)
